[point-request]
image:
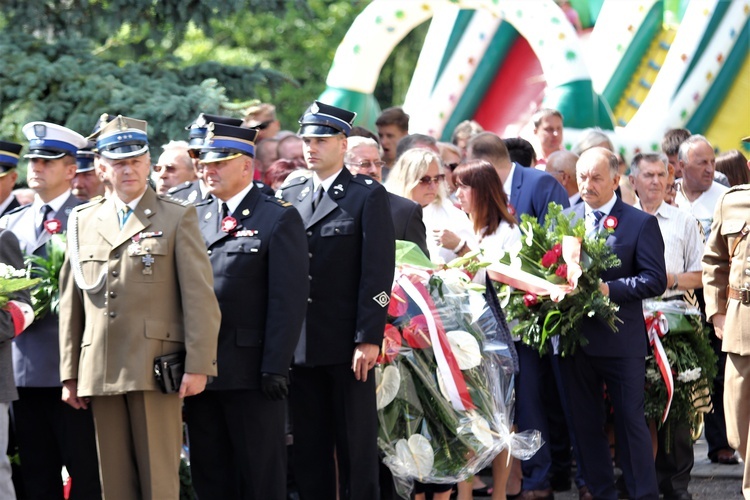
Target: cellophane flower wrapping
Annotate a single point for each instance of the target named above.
(690, 360)
(444, 380)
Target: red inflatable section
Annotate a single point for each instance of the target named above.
(515, 93)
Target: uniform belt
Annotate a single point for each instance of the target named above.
(742, 294)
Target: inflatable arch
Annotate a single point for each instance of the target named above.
(658, 64)
(384, 23)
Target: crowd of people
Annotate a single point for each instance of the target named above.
(262, 259)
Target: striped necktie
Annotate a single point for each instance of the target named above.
(124, 215)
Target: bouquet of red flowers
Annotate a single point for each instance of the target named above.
(444, 380)
(551, 281)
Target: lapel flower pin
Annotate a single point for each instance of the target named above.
(53, 226)
(610, 223)
(228, 224)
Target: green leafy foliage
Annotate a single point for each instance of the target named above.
(540, 318)
(693, 365)
(45, 297)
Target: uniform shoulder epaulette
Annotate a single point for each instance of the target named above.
(181, 187)
(738, 187)
(296, 180)
(18, 209)
(174, 201)
(202, 202)
(278, 201)
(365, 181)
(96, 200)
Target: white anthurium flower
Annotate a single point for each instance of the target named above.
(513, 251)
(455, 280)
(481, 429)
(416, 456)
(465, 349)
(528, 231)
(387, 382)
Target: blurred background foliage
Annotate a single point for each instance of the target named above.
(165, 61)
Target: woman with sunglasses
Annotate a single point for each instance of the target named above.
(417, 175)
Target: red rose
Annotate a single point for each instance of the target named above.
(549, 258)
(557, 248)
(511, 210)
(398, 304)
(228, 224)
(529, 300)
(53, 226)
(562, 271)
(610, 223)
(391, 344)
(416, 333)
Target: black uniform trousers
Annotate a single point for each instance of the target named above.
(50, 434)
(333, 413)
(237, 444)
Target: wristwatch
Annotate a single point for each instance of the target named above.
(675, 284)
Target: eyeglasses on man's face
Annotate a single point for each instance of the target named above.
(451, 166)
(426, 181)
(367, 164)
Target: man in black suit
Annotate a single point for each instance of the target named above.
(615, 358)
(352, 258)
(363, 156)
(9, 152)
(258, 251)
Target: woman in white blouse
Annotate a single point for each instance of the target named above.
(481, 194)
(417, 175)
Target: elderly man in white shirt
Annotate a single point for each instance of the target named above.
(683, 249)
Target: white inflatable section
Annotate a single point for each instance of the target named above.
(616, 26)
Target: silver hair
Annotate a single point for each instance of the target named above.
(635, 165)
(357, 141)
(687, 144)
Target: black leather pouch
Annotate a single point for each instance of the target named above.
(168, 370)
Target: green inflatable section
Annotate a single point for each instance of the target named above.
(711, 103)
(580, 105)
(485, 73)
(365, 105)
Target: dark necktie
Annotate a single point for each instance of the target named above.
(224, 211)
(46, 209)
(598, 216)
(318, 197)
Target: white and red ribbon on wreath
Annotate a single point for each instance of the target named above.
(458, 392)
(657, 327)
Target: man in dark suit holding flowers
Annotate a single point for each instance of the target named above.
(615, 358)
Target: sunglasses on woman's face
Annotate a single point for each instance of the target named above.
(426, 181)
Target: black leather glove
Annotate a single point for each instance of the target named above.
(273, 386)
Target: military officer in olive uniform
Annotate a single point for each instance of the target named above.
(197, 191)
(258, 250)
(48, 432)
(726, 287)
(352, 254)
(136, 284)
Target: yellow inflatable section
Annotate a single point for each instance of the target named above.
(732, 120)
